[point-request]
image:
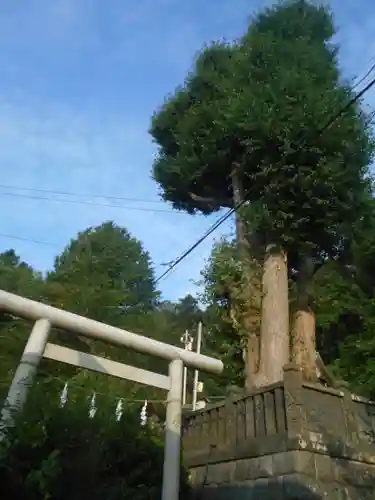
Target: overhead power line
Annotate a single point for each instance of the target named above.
(137, 200)
(230, 212)
(363, 78)
(213, 228)
(89, 203)
(81, 195)
(31, 240)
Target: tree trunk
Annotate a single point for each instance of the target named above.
(274, 337)
(304, 342)
(251, 316)
(243, 244)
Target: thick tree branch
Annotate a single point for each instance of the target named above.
(211, 201)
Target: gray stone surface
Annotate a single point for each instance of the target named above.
(288, 441)
(287, 475)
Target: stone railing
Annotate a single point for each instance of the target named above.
(230, 427)
(293, 435)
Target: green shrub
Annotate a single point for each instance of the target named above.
(58, 453)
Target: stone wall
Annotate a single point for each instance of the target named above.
(290, 440)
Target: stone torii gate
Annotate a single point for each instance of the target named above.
(45, 317)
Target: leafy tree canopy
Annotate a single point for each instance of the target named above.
(105, 273)
(256, 107)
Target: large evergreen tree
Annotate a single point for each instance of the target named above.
(106, 273)
(246, 124)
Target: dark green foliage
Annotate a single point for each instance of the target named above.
(258, 105)
(317, 22)
(183, 315)
(58, 453)
(105, 274)
(348, 327)
(191, 130)
(17, 277)
(113, 270)
(311, 184)
(227, 301)
(16, 274)
(224, 342)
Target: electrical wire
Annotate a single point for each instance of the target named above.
(179, 259)
(230, 212)
(82, 195)
(363, 78)
(45, 243)
(187, 252)
(91, 203)
(139, 200)
(31, 240)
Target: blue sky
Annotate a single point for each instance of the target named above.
(79, 80)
